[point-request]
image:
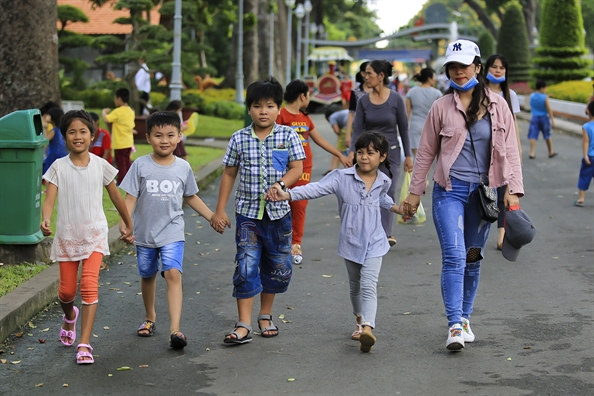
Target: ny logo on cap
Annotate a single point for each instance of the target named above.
(457, 47)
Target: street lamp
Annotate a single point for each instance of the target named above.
(289, 4)
(308, 7)
(299, 13)
(459, 14)
(239, 71)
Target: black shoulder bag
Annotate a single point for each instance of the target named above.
(487, 195)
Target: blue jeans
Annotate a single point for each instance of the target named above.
(462, 236)
(263, 262)
(172, 257)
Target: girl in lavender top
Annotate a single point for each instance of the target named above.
(361, 191)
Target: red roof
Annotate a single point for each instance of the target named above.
(101, 18)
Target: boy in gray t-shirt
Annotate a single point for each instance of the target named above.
(157, 185)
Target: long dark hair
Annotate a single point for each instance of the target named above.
(378, 142)
(504, 85)
(359, 78)
(479, 96)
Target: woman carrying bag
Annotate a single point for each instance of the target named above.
(470, 132)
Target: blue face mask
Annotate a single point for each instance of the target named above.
(494, 79)
(467, 86)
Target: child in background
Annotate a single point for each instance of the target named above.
(362, 243)
(338, 121)
(101, 146)
(587, 168)
(77, 181)
(122, 119)
(542, 119)
(263, 154)
(297, 98)
(56, 148)
(156, 187)
(176, 106)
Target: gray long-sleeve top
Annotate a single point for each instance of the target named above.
(388, 118)
(361, 232)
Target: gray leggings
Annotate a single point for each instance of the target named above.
(363, 285)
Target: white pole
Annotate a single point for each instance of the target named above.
(306, 44)
(239, 72)
(298, 66)
(175, 86)
(289, 28)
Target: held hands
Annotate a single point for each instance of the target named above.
(346, 161)
(410, 204)
(45, 228)
(220, 221)
(126, 234)
(276, 193)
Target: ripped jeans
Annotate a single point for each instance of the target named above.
(462, 236)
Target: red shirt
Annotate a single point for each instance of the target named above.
(302, 124)
(101, 144)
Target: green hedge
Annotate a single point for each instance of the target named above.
(513, 42)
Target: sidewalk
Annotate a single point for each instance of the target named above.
(33, 295)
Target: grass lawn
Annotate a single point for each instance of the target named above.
(13, 275)
(198, 157)
(214, 127)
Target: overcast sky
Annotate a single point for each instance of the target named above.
(395, 13)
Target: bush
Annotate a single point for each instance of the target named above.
(486, 43)
(159, 100)
(214, 102)
(513, 42)
(561, 43)
(573, 91)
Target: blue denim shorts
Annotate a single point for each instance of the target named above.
(538, 124)
(263, 262)
(172, 257)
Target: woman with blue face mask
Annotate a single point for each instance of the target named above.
(496, 75)
(470, 134)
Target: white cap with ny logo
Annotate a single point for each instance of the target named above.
(462, 51)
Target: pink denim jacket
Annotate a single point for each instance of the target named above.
(443, 138)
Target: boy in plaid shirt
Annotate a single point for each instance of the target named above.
(263, 154)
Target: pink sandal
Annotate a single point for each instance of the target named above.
(71, 334)
(81, 355)
(357, 333)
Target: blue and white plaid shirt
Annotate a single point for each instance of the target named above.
(262, 163)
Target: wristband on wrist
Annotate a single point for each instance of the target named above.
(282, 185)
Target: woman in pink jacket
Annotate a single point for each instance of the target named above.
(470, 133)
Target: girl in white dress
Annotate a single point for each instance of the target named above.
(81, 230)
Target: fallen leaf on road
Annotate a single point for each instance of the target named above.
(39, 385)
(555, 258)
(143, 366)
(290, 379)
(31, 325)
(65, 385)
(527, 347)
(29, 335)
(127, 283)
(15, 362)
(105, 327)
(41, 341)
(290, 308)
(406, 313)
(110, 375)
(207, 349)
(44, 330)
(189, 233)
(3, 361)
(19, 334)
(108, 283)
(139, 294)
(114, 288)
(281, 316)
(124, 368)
(95, 335)
(286, 321)
(30, 349)
(197, 292)
(197, 242)
(327, 276)
(508, 358)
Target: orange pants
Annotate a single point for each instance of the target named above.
(298, 209)
(89, 281)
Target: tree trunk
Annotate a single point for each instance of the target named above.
(530, 16)
(264, 38)
(280, 43)
(28, 54)
(250, 45)
(483, 16)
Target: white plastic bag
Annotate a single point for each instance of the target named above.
(420, 216)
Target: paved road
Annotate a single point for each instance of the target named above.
(533, 318)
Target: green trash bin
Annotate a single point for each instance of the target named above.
(22, 143)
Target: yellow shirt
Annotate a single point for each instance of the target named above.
(122, 119)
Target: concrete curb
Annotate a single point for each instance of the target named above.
(18, 306)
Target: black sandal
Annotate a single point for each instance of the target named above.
(177, 340)
(147, 325)
(271, 327)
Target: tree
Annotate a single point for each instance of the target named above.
(486, 43)
(70, 40)
(513, 42)
(29, 53)
(560, 55)
(588, 15)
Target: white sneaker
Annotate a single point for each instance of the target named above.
(468, 334)
(455, 340)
